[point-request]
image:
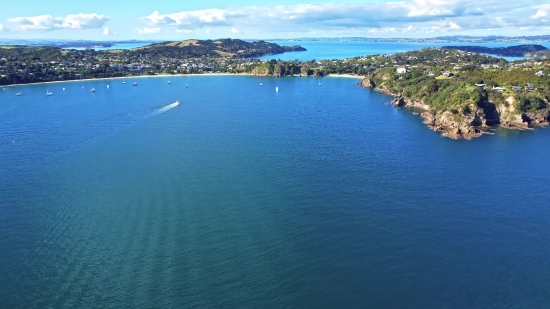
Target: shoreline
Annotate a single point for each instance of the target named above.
(175, 75)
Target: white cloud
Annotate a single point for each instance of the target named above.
(234, 30)
(147, 30)
(186, 31)
(48, 22)
(412, 16)
(106, 31)
(542, 11)
(191, 19)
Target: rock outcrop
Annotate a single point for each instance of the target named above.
(367, 83)
(473, 121)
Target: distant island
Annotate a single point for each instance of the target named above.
(441, 39)
(528, 50)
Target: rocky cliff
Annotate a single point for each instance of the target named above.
(473, 121)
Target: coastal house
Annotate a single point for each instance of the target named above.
(529, 87)
(517, 88)
(539, 74)
(480, 85)
(401, 70)
(498, 88)
(447, 73)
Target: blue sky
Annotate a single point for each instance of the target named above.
(176, 19)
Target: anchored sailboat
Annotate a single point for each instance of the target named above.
(48, 93)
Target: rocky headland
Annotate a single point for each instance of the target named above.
(473, 121)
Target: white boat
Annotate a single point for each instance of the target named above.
(276, 89)
(48, 93)
(124, 82)
(261, 84)
(186, 86)
(93, 90)
(135, 84)
(320, 83)
(169, 83)
(63, 89)
(108, 86)
(19, 94)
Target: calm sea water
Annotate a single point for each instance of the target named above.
(322, 50)
(128, 45)
(241, 197)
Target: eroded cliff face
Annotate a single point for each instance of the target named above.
(472, 123)
(367, 83)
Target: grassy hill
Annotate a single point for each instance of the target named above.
(219, 48)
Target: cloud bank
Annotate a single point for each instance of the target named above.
(416, 16)
(48, 22)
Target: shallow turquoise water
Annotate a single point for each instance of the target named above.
(243, 197)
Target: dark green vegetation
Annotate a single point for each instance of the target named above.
(512, 51)
(476, 94)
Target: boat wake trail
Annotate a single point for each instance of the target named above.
(91, 129)
(166, 108)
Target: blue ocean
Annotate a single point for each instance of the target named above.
(244, 197)
(323, 50)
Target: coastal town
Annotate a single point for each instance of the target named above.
(21, 65)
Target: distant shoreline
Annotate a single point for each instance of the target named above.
(174, 75)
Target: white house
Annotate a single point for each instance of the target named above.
(401, 70)
(539, 73)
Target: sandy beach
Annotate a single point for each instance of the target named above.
(174, 75)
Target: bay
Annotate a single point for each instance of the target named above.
(323, 50)
(244, 197)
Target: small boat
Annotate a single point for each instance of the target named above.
(186, 86)
(320, 83)
(93, 90)
(63, 89)
(135, 84)
(48, 93)
(261, 84)
(108, 86)
(169, 83)
(19, 94)
(276, 89)
(124, 82)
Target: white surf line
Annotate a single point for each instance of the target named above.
(166, 108)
